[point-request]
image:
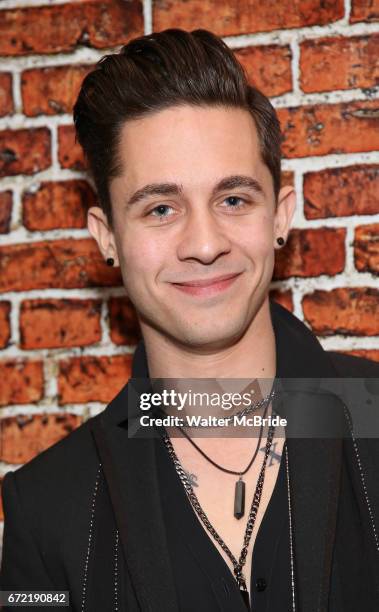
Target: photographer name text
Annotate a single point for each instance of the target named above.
(212, 421)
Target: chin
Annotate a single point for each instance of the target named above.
(210, 336)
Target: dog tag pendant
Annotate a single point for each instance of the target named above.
(239, 499)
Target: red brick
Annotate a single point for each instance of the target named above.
(339, 63)
(51, 91)
(25, 436)
(64, 264)
(5, 325)
(311, 252)
(123, 322)
(330, 128)
(24, 151)
(347, 311)
(92, 379)
(59, 323)
(6, 97)
(364, 10)
(341, 192)
(366, 249)
(6, 203)
(57, 205)
(228, 17)
(282, 297)
(287, 178)
(22, 382)
(372, 354)
(70, 153)
(98, 24)
(268, 68)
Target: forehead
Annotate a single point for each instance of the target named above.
(192, 144)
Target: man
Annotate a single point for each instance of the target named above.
(186, 160)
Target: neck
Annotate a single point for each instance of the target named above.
(252, 359)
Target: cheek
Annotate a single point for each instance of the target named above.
(257, 238)
(143, 256)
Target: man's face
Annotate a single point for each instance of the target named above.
(209, 212)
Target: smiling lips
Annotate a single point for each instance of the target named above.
(205, 287)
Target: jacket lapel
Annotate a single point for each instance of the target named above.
(130, 471)
(314, 468)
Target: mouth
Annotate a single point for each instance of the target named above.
(206, 287)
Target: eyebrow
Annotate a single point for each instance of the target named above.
(229, 182)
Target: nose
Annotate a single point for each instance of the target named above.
(203, 238)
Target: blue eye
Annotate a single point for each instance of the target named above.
(236, 198)
(159, 208)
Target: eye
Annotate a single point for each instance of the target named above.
(234, 201)
(160, 209)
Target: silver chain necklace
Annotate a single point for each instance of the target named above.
(239, 490)
(237, 565)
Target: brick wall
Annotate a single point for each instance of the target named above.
(66, 331)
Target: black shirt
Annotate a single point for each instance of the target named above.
(203, 580)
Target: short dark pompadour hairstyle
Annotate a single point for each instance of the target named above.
(158, 71)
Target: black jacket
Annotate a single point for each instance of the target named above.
(60, 531)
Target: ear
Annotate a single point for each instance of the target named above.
(284, 212)
(98, 228)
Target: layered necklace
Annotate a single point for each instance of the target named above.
(237, 564)
(239, 500)
(240, 487)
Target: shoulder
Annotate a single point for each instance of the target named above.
(65, 473)
(51, 487)
(72, 454)
(353, 366)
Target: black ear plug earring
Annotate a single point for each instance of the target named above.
(280, 241)
(110, 261)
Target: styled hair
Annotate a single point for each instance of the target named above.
(155, 72)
